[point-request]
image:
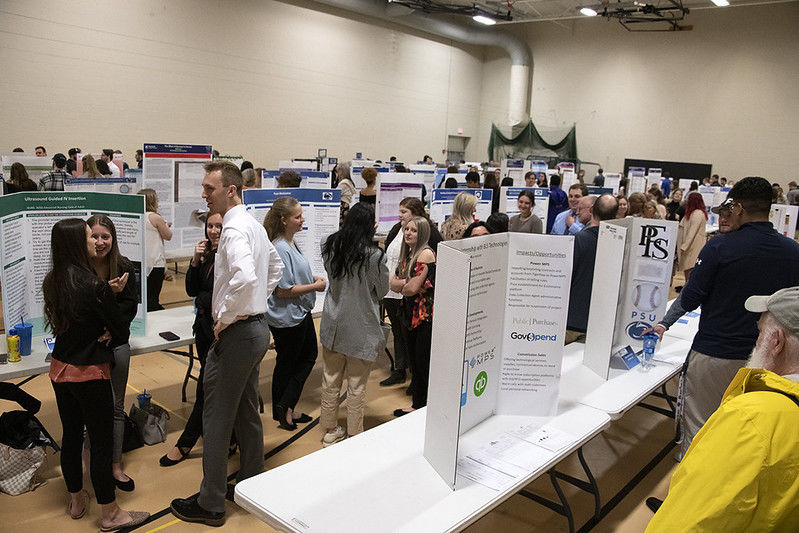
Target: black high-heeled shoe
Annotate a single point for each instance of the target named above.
(281, 413)
(126, 486)
(166, 461)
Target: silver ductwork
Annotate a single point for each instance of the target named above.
(516, 48)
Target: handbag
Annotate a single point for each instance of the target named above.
(131, 439)
(18, 469)
(151, 421)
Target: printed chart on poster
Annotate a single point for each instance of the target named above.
(509, 201)
(497, 346)
(392, 188)
(175, 172)
(442, 201)
(321, 209)
(635, 257)
(27, 220)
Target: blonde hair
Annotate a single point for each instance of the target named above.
(273, 223)
(90, 167)
(249, 178)
(464, 207)
(150, 200)
(410, 255)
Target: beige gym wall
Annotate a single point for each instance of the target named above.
(724, 93)
(265, 79)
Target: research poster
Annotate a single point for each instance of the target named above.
(321, 210)
(35, 166)
(509, 201)
(312, 179)
(26, 221)
(427, 173)
(126, 185)
(514, 319)
(613, 181)
(515, 169)
(392, 188)
(175, 172)
(442, 200)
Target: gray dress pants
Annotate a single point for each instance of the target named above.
(231, 401)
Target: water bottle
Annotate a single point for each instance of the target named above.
(650, 340)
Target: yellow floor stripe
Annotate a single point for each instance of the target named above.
(171, 412)
(172, 523)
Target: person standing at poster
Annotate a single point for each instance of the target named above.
(82, 313)
(289, 313)
(116, 269)
(526, 221)
(415, 279)
(246, 271)
(157, 230)
(351, 331)
(54, 180)
(558, 201)
(463, 209)
(108, 158)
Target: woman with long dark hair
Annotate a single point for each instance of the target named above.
(18, 180)
(351, 332)
(414, 279)
(289, 313)
(111, 266)
(199, 285)
(82, 312)
(691, 235)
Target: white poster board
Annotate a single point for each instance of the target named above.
(321, 210)
(636, 184)
(504, 342)
(685, 184)
(642, 292)
(27, 220)
(508, 201)
(613, 181)
(36, 167)
(442, 200)
(126, 185)
(427, 173)
(311, 179)
(784, 218)
(392, 188)
(516, 169)
(175, 172)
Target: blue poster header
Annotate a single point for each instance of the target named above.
(448, 195)
(303, 195)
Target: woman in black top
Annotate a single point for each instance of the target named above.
(82, 312)
(19, 181)
(200, 285)
(111, 266)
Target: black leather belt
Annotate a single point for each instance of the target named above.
(252, 318)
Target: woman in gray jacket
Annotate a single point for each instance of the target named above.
(351, 332)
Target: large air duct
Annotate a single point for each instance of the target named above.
(518, 110)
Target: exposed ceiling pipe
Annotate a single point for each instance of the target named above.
(516, 48)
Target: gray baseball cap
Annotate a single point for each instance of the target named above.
(783, 304)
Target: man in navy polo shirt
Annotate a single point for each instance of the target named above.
(752, 260)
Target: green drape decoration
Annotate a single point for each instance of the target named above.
(529, 143)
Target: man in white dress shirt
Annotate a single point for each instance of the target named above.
(247, 269)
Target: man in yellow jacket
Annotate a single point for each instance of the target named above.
(741, 472)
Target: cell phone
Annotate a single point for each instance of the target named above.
(168, 335)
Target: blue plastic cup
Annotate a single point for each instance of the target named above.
(25, 332)
(650, 341)
(144, 399)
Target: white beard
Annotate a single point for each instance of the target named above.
(757, 359)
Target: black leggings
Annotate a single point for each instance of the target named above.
(154, 283)
(419, 339)
(296, 355)
(90, 404)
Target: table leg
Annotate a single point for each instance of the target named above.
(188, 372)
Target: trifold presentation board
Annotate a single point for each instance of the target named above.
(392, 188)
(613, 181)
(442, 175)
(636, 184)
(784, 218)
(497, 348)
(516, 169)
(27, 220)
(509, 201)
(312, 179)
(321, 210)
(685, 184)
(426, 172)
(442, 200)
(125, 185)
(175, 172)
(632, 275)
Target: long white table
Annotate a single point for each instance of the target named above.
(178, 320)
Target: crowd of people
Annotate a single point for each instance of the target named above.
(251, 282)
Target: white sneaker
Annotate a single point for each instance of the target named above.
(338, 435)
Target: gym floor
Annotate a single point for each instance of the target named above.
(615, 456)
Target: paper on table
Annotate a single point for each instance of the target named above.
(511, 449)
(488, 476)
(549, 438)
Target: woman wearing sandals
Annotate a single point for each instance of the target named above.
(351, 330)
(82, 312)
(111, 266)
(289, 313)
(200, 285)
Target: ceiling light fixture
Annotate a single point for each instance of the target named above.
(721, 3)
(588, 12)
(482, 19)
